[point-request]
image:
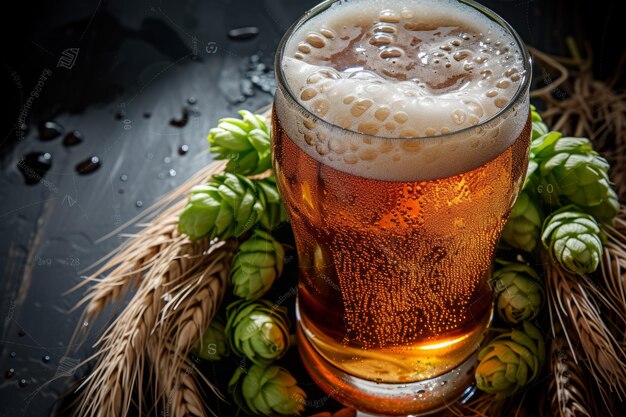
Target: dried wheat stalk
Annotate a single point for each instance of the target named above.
(587, 107)
(567, 386)
(573, 307)
(129, 262)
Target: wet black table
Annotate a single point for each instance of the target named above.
(142, 82)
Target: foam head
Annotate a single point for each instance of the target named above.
(402, 70)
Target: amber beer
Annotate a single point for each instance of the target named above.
(401, 136)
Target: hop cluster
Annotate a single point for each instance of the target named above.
(267, 391)
(259, 261)
(257, 330)
(571, 172)
(519, 294)
(523, 229)
(212, 346)
(511, 361)
(229, 205)
(244, 142)
(573, 239)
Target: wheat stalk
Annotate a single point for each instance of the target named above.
(573, 307)
(569, 396)
(129, 262)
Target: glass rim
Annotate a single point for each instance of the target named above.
(325, 4)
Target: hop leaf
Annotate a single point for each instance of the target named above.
(257, 330)
(573, 239)
(511, 361)
(259, 261)
(571, 172)
(245, 142)
(519, 294)
(226, 206)
(523, 229)
(212, 346)
(267, 391)
(539, 128)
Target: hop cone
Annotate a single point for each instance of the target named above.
(257, 330)
(267, 391)
(519, 294)
(274, 212)
(573, 239)
(212, 346)
(226, 206)
(539, 128)
(259, 261)
(511, 361)
(573, 173)
(244, 142)
(523, 229)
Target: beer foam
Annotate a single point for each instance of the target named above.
(403, 70)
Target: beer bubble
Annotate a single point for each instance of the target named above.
(390, 126)
(368, 154)
(500, 102)
(444, 130)
(308, 94)
(381, 40)
(503, 84)
(515, 77)
(316, 40)
(327, 33)
(455, 42)
(392, 52)
(321, 106)
(369, 127)
(491, 93)
(321, 149)
(486, 74)
(348, 99)
(389, 16)
(385, 28)
(308, 124)
(430, 132)
(298, 55)
(468, 67)
(409, 145)
(322, 136)
(401, 117)
(360, 107)
(382, 113)
(308, 138)
(510, 71)
(304, 48)
(350, 159)
(445, 47)
(458, 116)
(406, 14)
(313, 79)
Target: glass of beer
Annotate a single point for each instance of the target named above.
(401, 140)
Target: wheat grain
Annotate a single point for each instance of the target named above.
(573, 308)
(567, 386)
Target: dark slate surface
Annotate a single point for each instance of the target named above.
(122, 74)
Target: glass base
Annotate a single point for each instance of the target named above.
(384, 399)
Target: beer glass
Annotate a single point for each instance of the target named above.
(401, 140)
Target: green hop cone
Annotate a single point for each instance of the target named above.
(571, 172)
(267, 391)
(212, 345)
(519, 294)
(226, 206)
(539, 128)
(274, 213)
(257, 330)
(244, 142)
(573, 239)
(259, 261)
(523, 229)
(511, 361)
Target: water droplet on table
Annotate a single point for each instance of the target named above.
(139, 203)
(192, 100)
(9, 373)
(23, 383)
(89, 165)
(183, 149)
(182, 121)
(50, 130)
(124, 177)
(73, 138)
(243, 33)
(46, 358)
